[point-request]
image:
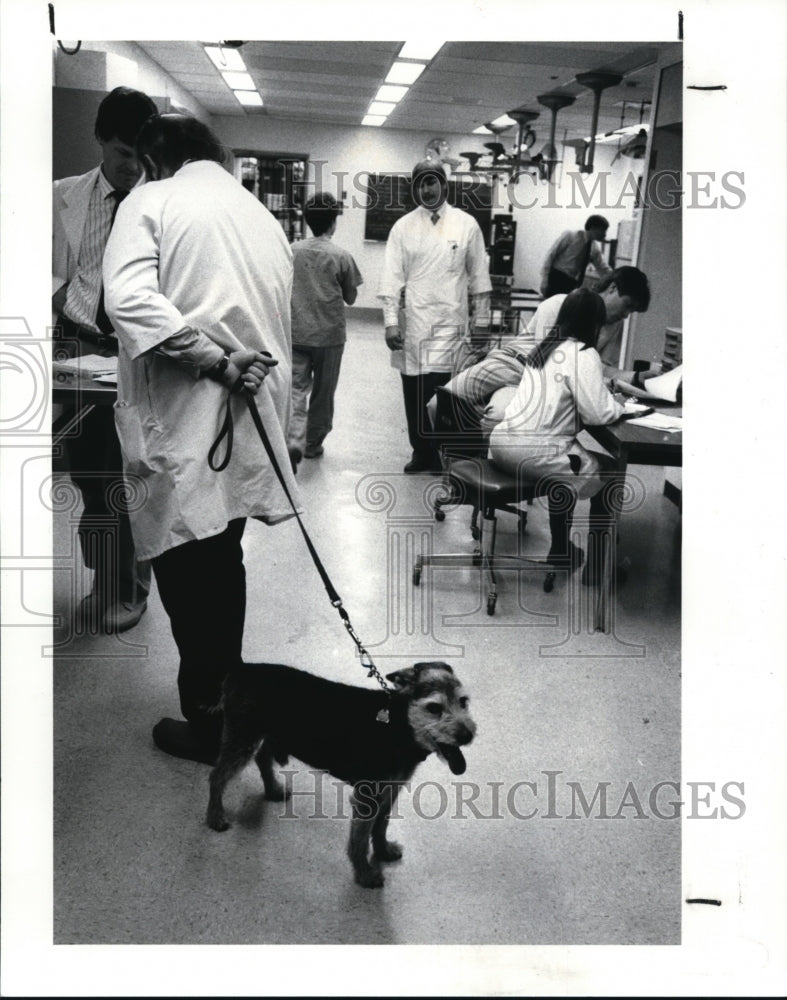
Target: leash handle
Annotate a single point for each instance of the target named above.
(227, 432)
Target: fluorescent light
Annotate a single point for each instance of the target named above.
(389, 93)
(503, 120)
(482, 130)
(420, 50)
(373, 120)
(249, 98)
(229, 59)
(402, 72)
(381, 108)
(239, 81)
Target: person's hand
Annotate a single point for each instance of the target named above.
(393, 338)
(247, 370)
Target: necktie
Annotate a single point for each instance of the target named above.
(585, 262)
(102, 320)
(435, 218)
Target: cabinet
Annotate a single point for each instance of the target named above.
(279, 181)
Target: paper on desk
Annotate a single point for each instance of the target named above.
(665, 386)
(88, 364)
(658, 422)
(107, 379)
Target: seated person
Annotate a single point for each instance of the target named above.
(562, 388)
(625, 291)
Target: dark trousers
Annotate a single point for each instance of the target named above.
(418, 390)
(95, 464)
(560, 283)
(202, 585)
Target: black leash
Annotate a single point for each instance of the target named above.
(227, 431)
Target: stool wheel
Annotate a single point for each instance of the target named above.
(439, 514)
(549, 583)
(491, 601)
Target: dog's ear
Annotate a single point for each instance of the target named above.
(432, 664)
(402, 678)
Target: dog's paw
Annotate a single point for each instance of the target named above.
(218, 823)
(370, 878)
(389, 851)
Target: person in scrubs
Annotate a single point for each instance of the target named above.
(198, 276)
(436, 256)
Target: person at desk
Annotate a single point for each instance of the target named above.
(436, 255)
(199, 277)
(562, 388)
(565, 265)
(624, 291)
(83, 212)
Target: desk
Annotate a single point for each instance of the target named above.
(80, 394)
(633, 445)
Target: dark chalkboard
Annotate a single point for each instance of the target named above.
(388, 198)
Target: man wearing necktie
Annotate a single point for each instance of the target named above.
(435, 257)
(84, 209)
(564, 266)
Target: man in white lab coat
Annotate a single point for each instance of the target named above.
(198, 276)
(436, 255)
(82, 216)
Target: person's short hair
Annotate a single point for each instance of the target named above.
(596, 222)
(122, 114)
(427, 169)
(320, 212)
(170, 140)
(631, 283)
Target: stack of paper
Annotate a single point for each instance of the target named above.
(88, 364)
(658, 422)
(663, 386)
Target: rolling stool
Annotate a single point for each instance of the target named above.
(478, 482)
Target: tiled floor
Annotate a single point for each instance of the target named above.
(489, 859)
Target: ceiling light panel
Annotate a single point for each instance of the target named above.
(248, 98)
(381, 108)
(407, 73)
(225, 59)
(239, 81)
(373, 120)
(390, 93)
(420, 50)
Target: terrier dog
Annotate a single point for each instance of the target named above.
(272, 711)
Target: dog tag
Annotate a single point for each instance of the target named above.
(382, 715)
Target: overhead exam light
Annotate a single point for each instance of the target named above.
(597, 82)
(548, 155)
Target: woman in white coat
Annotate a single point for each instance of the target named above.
(562, 390)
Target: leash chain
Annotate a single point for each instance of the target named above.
(227, 432)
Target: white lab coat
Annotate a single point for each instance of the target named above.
(548, 410)
(438, 266)
(197, 250)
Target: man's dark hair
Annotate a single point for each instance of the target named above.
(581, 316)
(320, 211)
(596, 222)
(632, 283)
(122, 114)
(170, 140)
(424, 169)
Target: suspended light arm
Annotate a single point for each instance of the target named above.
(597, 82)
(549, 158)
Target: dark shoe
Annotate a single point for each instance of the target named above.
(179, 739)
(313, 452)
(123, 615)
(417, 466)
(560, 560)
(295, 457)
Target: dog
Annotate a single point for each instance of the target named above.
(272, 712)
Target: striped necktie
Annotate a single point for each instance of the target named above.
(435, 218)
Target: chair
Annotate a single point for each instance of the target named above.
(471, 479)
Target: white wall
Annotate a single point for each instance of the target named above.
(340, 157)
(102, 66)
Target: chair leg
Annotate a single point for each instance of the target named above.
(488, 537)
